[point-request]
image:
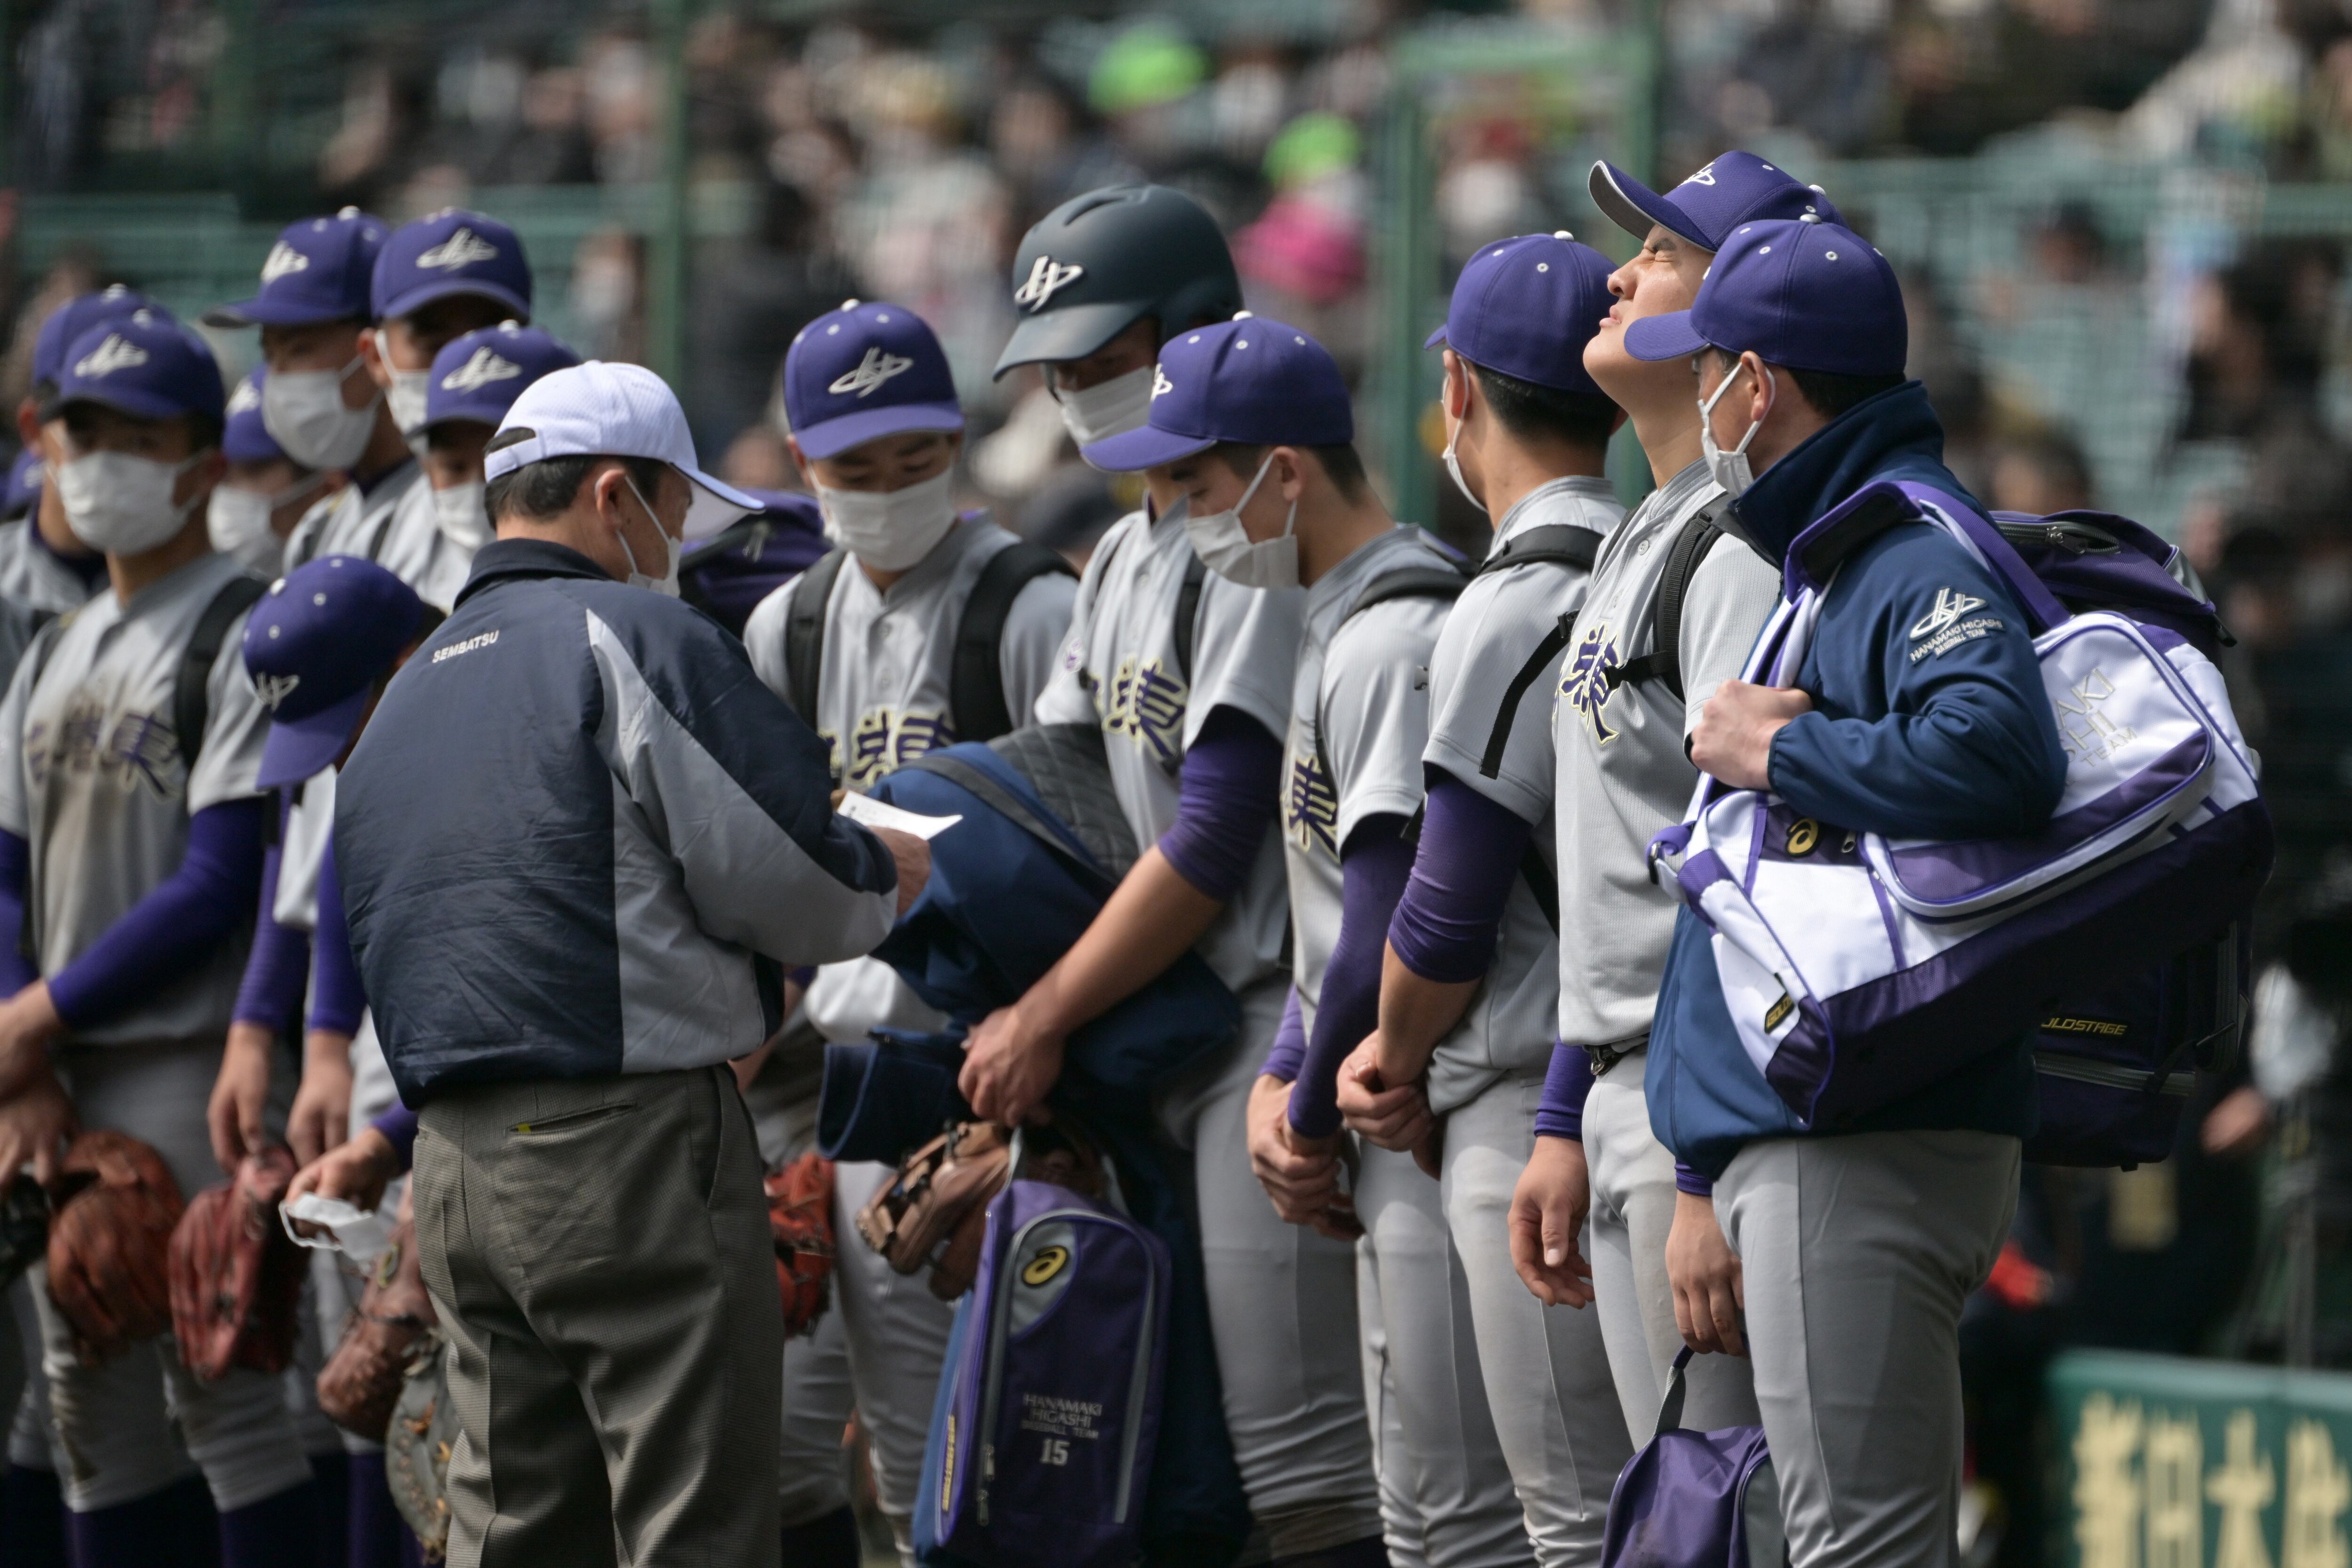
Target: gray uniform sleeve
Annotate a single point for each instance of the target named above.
(15, 814)
(1375, 709)
(1244, 654)
(1494, 627)
(763, 638)
(1064, 699)
(235, 726)
(1036, 627)
(1731, 596)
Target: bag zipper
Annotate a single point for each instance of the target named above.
(2180, 1086)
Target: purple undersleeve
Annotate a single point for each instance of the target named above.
(1690, 1181)
(1447, 923)
(1289, 1043)
(1227, 795)
(178, 924)
(1374, 864)
(1567, 1081)
(337, 995)
(271, 994)
(17, 971)
(398, 1125)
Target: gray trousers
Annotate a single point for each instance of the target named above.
(1283, 1312)
(1857, 1253)
(1547, 1372)
(1450, 1502)
(598, 1251)
(1633, 1180)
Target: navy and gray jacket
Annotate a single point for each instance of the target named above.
(1924, 725)
(575, 818)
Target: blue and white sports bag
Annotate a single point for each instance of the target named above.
(1858, 969)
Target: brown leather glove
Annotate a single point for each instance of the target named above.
(361, 1382)
(109, 1244)
(799, 1218)
(236, 1276)
(934, 1212)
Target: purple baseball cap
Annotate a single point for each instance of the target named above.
(1526, 306)
(479, 375)
(451, 252)
(315, 646)
(1250, 380)
(23, 492)
(146, 365)
(1810, 295)
(71, 320)
(244, 437)
(1736, 188)
(317, 271)
(865, 371)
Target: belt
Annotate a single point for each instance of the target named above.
(1605, 1057)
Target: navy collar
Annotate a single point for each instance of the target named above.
(502, 560)
(1893, 435)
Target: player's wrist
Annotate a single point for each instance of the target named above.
(327, 1050)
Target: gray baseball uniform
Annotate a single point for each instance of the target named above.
(1547, 1370)
(1282, 1300)
(1623, 777)
(882, 700)
(35, 585)
(1360, 706)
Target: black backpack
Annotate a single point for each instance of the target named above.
(191, 701)
(978, 710)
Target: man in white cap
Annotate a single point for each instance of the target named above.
(577, 844)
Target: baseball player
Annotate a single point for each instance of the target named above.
(1469, 982)
(1188, 673)
(1670, 611)
(864, 645)
(127, 795)
(1250, 421)
(257, 503)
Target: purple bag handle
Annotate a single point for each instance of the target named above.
(1670, 1409)
(2040, 605)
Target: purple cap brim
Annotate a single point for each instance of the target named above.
(1435, 339)
(424, 293)
(1147, 447)
(832, 437)
(303, 748)
(1633, 207)
(1670, 337)
(138, 403)
(267, 313)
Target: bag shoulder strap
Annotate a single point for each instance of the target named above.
(1405, 582)
(975, 672)
(805, 633)
(1670, 1409)
(1188, 615)
(1663, 662)
(191, 701)
(1563, 544)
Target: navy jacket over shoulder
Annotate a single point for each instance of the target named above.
(575, 818)
(1928, 721)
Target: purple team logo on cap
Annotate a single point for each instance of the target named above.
(862, 371)
(319, 270)
(71, 320)
(1734, 189)
(1809, 295)
(479, 375)
(146, 365)
(452, 251)
(315, 646)
(1252, 381)
(1526, 306)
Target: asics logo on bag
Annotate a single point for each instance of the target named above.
(870, 372)
(117, 354)
(275, 689)
(2084, 729)
(462, 248)
(1045, 278)
(1159, 383)
(1584, 681)
(283, 258)
(486, 366)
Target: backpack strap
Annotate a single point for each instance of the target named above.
(191, 702)
(975, 672)
(1188, 615)
(1663, 662)
(1563, 544)
(805, 633)
(1406, 582)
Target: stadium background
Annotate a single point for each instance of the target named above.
(2121, 225)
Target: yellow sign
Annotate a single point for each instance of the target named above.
(1045, 1265)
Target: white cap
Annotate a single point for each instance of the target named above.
(601, 410)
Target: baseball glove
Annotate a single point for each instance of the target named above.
(799, 1218)
(236, 1276)
(108, 1243)
(24, 1229)
(417, 1447)
(362, 1381)
(934, 1213)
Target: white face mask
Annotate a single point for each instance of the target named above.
(1730, 469)
(121, 504)
(666, 584)
(1107, 408)
(890, 530)
(463, 518)
(239, 523)
(303, 412)
(408, 395)
(1225, 548)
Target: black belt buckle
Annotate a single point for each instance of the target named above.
(1604, 1057)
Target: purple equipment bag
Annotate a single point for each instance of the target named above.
(1695, 1500)
(1052, 1403)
